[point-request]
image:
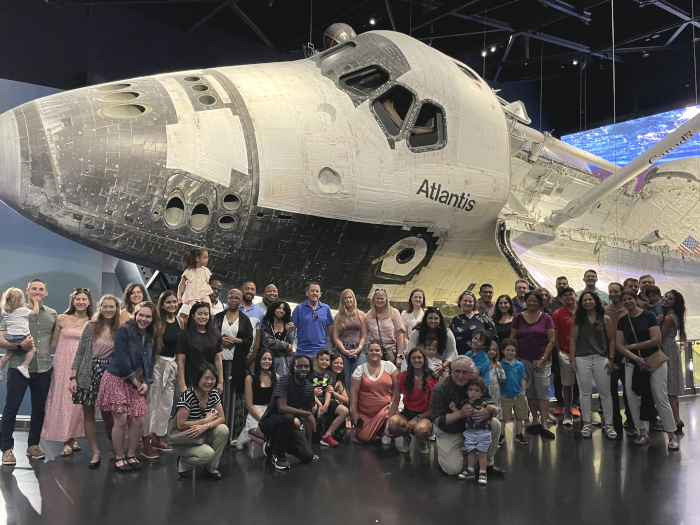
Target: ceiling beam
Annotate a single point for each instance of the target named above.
(251, 24)
(223, 4)
(583, 15)
(480, 19)
(391, 14)
(676, 34)
(676, 11)
(446, 9)
(505, 55)
(458, 34)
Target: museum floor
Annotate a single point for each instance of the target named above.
(566, 481)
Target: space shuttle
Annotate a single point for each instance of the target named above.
(379, 162)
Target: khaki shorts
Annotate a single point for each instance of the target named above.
(517, 405)
(568, 378)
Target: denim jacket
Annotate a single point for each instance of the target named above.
(130, 353)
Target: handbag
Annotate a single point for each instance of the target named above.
(179, 438)
(656, 359)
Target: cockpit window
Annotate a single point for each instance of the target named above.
(366, 81)
(429, 127)
(334, 54)
(468, 72)
(393, 107)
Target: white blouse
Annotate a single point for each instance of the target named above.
(230, 330)
(387, 366)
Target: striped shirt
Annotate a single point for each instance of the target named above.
(297, 396)
(188, 400)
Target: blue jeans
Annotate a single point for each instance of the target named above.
(16, 388)
(350, 365)
(281, 366)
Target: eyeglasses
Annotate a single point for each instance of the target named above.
(467, 292)
(380, 290)
(315, 314)
(81, 290)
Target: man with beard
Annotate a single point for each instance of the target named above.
(270, 295)
(292, 404)
(562, 284)
(252, 310)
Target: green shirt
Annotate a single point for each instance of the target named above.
(41, 329)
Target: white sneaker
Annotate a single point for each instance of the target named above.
(568, 422)
(595, 420)
(24, 370)
(386, 440)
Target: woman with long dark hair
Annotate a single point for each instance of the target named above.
(469, 321)
(638, 337)
(416, 384)
(161, 393)
(591, 353)
(416, 309)
(237, 336)
(673, 325)
(93, 355)
(503, 316)
(134, 294)
(433, 325)
(64, 420)
(260, 383)
(199, 343)
(278, 335)
(125, 382)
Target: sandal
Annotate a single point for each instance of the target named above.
(641, 441)
(424, 450)
(406, 447)
(124, 467)
(673, 445)
(610, 432)
(76, 447)
(587, 430)
(632, 433)
(135, 465)
(67, 451)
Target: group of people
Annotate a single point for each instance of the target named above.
(199, 375)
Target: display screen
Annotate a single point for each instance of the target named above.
(622, 142)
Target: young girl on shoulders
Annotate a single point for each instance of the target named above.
(195, 278)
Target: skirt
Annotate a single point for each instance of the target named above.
(116, 395)
(250, 424)
(88, 396)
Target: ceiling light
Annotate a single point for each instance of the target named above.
(483, 53)
(655, 36)
(575, 62)
(372, 21)
(646, 54)
(493, 49)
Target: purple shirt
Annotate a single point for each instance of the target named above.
(532, 338)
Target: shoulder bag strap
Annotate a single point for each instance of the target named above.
(629, 317)
(379, 331)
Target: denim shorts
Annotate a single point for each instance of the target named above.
(477, 439)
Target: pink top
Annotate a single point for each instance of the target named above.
(197, 287)
(389, 326)
(102, 347)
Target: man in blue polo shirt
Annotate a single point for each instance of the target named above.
(254, 312)
(311, 318)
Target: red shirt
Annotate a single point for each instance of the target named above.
(419, 399)
(562, 324)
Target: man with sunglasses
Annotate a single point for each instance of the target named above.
(292, 404)
(312, 319)
(449, 425)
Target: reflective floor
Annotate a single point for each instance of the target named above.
(568, 481)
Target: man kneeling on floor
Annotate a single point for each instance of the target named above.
(292, 404)
(449, 425)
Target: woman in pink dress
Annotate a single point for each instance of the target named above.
(373, 385)
(64, 420)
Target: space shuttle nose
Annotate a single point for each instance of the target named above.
(10, 160)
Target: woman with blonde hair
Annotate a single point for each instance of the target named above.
(385, 326)
(94, 354)
(349, 334)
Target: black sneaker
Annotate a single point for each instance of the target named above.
(533, 429)
(267, 448)
(501, 439)
(467, 475)
(656, 425)
(493, 470)
(280, 463)
(546, 433)
(521, 440)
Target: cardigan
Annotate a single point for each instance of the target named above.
(83, 357)
(240, 350)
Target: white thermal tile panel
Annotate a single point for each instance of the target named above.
(279, 149)
(220, 139)
(282, 189)
(178, 95)
(218, 88)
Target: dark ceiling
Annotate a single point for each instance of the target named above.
(530, 46)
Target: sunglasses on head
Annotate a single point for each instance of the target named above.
(81, 290)
(315, 314)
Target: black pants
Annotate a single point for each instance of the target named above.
(17, 385)
(617, 417)
(286, 438)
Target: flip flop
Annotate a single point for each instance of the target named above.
(76, 447)
(641, 441)
(673, 445)
(67, 451)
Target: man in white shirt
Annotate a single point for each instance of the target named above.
(216, 305)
